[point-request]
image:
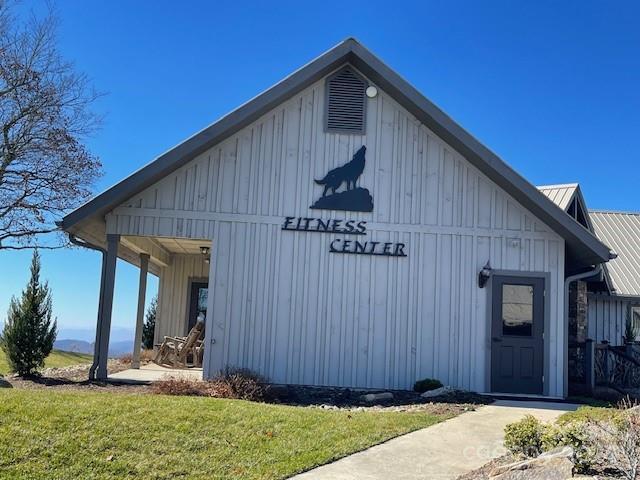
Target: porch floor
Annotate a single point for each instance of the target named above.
(152, 373)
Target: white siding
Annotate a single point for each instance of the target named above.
(283, 305)
(173, 295)
(607, 317)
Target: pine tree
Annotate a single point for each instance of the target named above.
(28, 334)
(149, 326)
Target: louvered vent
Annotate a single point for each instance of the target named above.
(346, 102)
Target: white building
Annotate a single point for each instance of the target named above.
(371, 278)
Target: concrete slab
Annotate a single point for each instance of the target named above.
(152, 373)
(443, 451)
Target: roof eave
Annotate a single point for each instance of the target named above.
(483, 158)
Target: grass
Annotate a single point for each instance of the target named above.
(56, 359)
(89, 435)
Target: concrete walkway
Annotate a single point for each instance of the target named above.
(443, 451)
(152, 373)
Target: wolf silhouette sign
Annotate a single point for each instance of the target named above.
(354, 198)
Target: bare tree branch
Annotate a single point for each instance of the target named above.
(45, 168)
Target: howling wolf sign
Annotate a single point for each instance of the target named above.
(354, 199)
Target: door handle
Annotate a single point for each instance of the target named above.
(496, 339)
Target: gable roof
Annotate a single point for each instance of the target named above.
(582, 247)
(561, 195)
(622, 232)
(564, 195)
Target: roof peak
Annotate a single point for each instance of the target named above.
(559, 185)
(583, 247)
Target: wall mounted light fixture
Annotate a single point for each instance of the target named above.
(484, 275)
(205, 251)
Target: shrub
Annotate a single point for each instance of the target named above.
(147, 355)
(235, 383)
(29, 332)
(180, 386)
(149, 326)
(239, 383)
(524, 437)
(618, 442)
(572, 434)
(426, 384)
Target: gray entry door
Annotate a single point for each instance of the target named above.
(517, 332)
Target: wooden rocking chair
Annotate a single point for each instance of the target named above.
(174, 351)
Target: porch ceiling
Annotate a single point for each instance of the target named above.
(182, 245)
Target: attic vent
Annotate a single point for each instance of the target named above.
(346, 102)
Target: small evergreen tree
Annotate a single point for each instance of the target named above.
(28, 334)
(149, 326)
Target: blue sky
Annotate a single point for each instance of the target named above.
(551, 87)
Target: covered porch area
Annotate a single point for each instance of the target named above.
(182, 267)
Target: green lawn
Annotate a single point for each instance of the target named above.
(88, 435)
(56, 359)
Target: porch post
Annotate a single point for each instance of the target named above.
(105, 308)
(142, 291)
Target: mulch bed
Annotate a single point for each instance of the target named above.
(351, 399)
(453, 403)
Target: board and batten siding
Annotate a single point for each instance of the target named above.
(606, 318)
(173, 294)
(281, 304)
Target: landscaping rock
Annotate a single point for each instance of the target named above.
(553, 465)
(278, 391)
(437, 392)
(4, 383)
(376, 397)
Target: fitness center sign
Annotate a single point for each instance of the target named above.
(354, 199)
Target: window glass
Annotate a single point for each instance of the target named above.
(517, 310)
(203, 294)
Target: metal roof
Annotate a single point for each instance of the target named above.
(583, 248)
(621, 231)
(561, 195)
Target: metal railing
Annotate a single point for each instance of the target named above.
(616, 367)
(601, 364)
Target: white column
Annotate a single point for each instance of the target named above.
(142, 291)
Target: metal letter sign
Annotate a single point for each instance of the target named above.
(353, 199)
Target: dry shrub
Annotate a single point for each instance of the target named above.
(239, 383)
(618, 440)
(127, 358)
(180, 386)
(147, 355)
(234, 383)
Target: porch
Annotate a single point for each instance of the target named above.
(182, 267)
(152, 373)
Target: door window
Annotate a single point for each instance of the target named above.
(517, 310)
(197, 303)
(203, 293)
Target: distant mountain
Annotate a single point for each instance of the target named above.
(116, 349)
(119, 349)
(76, 346)
(118, 334)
